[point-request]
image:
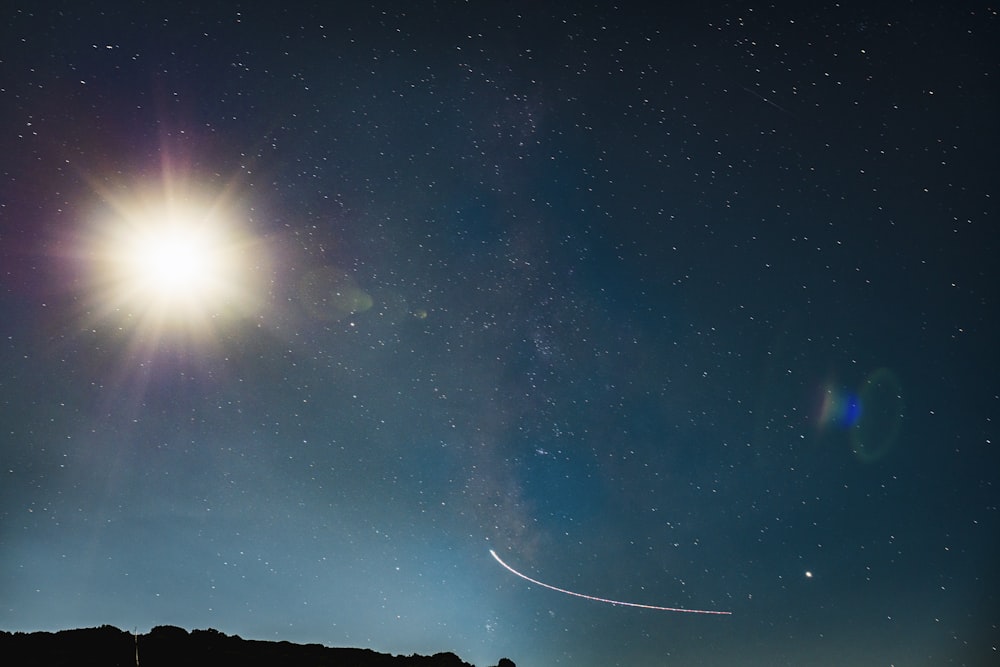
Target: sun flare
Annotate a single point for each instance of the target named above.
(171, 263)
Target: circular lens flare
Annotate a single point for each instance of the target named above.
(841, 409)
(872, 415)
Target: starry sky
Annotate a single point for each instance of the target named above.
(689, 306)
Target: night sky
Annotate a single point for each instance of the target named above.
(685, 307)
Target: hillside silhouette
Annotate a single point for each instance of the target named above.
(164, 645)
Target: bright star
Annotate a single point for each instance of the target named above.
(171, 262)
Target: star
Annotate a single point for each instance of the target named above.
(171, 262)
(175, 262)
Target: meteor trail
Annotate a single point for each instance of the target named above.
(605, 600)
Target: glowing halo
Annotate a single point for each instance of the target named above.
(877, 430)
(872, 415)
(169, 263)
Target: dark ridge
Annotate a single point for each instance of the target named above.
(167, 645)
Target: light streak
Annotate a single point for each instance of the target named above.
(605, 600)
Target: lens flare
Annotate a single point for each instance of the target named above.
(872, 416)
(841, 409)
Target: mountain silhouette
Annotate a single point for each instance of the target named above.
(166, 645)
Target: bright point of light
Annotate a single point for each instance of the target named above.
(171, 264)
(183, 263)
(172, 260)
(809, 574)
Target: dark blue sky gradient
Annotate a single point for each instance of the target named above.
(592, 286)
